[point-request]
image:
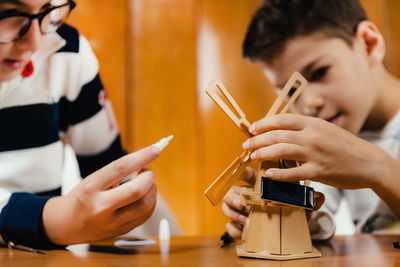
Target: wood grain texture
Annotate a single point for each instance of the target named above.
(221, 27)
(295, 235)
(175, 44)
(104, 24)
(162, 100)
(358, 250)
(264, 230)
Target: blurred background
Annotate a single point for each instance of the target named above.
(157, 57)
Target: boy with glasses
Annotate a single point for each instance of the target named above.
(49, 88)
(349, 93)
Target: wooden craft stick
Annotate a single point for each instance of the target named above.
(296, 81)
(217, 190)
(236, 115)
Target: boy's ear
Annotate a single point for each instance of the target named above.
(372, 40)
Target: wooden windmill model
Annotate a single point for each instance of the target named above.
(273, 230)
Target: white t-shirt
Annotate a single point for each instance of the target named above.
(369, 213)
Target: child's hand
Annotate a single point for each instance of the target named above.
(232, 208)
(326, 152)
(96, 209)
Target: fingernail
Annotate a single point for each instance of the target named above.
(236, 203)
(247, 209)
(252, 128)
(242, 219)
(253, 155)
(155, 150)
(269, 173)
(246, 145)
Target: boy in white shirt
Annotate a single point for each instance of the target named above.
(349, 93)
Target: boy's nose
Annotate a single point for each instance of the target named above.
(310, 102)
(32, 39)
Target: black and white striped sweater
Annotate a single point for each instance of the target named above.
(63, 96)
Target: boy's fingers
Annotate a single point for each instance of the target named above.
(234, 230)
(249, 175)
(289, 175)
(117, 170)
(131, 191)
(233, 215)
(279, 151)
(280, 121)
(135, 223)
(138, 209)
(233, 200)
(271, 138)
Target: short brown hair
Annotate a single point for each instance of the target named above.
(277, 21)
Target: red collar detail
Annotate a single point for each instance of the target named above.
(28, 70)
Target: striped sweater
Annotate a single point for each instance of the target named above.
(64, 96)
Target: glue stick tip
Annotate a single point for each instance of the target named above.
(163, 142)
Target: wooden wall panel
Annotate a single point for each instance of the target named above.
(104, 24)
(378, 13)
(393, 34)
(174, 46)
(162, 100)
(221, 27)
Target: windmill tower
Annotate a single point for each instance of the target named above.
(274, 229)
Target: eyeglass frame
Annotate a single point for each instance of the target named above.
(32, 17)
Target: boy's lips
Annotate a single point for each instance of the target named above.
(334, 119)
(15, 64)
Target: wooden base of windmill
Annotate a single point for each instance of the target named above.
(267, 256)
(274, 231)
(277, 233)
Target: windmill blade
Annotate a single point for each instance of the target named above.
(296, 82)
(215, 90)
(217, 190)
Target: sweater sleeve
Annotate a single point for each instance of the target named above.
(23, 225)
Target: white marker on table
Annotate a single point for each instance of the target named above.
(163, 237)
(163, 142)
(163, 231)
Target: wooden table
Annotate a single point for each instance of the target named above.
(358, 250)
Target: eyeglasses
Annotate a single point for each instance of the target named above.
(14, 24)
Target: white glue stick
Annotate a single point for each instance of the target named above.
(163, 231)
(160, 145)
(163, 142)
(163, 237)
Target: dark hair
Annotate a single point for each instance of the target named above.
(277, 21)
